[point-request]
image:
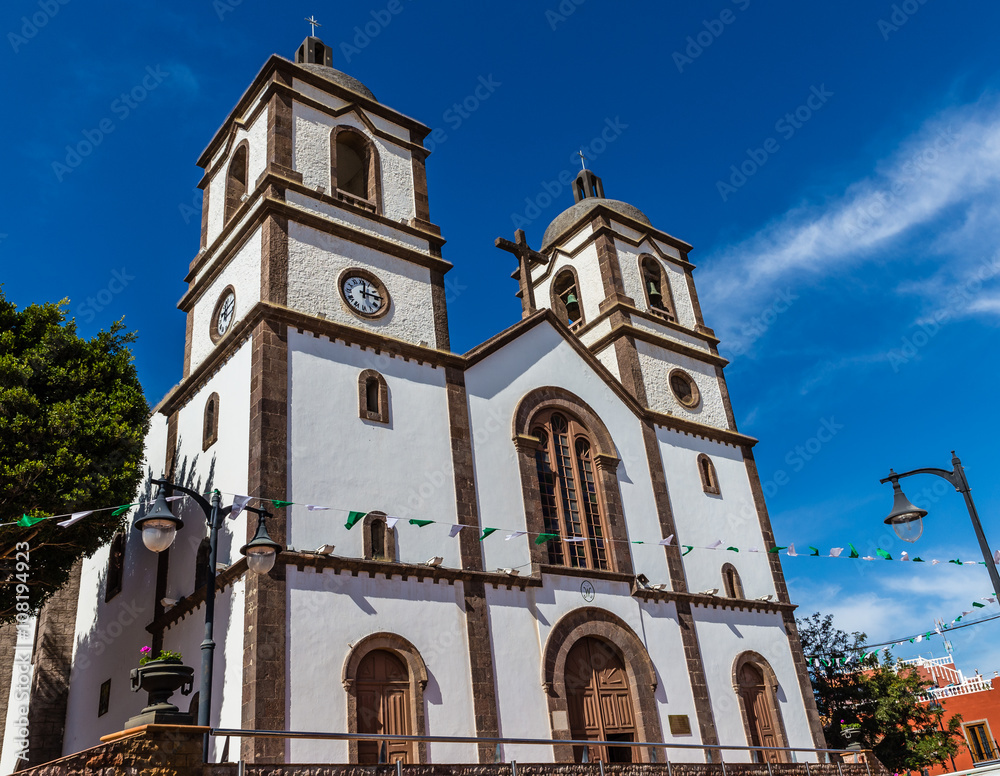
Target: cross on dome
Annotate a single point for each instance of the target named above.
(313, 25)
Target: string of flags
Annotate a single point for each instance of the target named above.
(355, 516)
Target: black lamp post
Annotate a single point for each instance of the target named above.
(907, 519)
(159, 528)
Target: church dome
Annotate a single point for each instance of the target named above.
(339, 78)
(571, 215)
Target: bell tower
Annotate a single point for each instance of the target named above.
(627, 290)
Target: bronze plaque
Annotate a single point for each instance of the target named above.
(680, 724)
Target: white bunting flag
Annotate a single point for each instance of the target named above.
(935, 562)
(455, 530)
(575, 539)
(835, 552)
(668, 541)
(904, 555)
(996, 557)
(714, 544)
(315, 508)
(920, 638)
(791, 551)
(514, 535)
(76, 517)
(238, 503)
(390, 522)
(753, 549)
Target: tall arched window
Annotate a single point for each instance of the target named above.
(657, 287)
(566, 299)
(373, 396)
(355, 168)
(709, 477)
(567, 483)
(236, 180)
(116, 567)
(379, 539)
(210, 426)
(731, 582)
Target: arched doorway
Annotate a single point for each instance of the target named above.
(761, 718)
(600, 701)
(383, 693)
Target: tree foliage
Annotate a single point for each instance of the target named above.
(72, 423)
(882, 696)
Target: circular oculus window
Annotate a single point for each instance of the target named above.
(684, 388)
(224, 314)
(363, 293)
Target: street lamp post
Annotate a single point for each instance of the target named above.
(159, 528)
(907, 519)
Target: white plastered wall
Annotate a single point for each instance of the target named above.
(316, 261)
(588, 274)
(337, 459)
(657, 363)
(330, 612)
(702, 518)
(18, 698)
(725, 634)
(243, 274)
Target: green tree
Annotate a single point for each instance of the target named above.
(882, 696)
(72, 423)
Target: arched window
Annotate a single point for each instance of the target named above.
(731, 582)
(355, 168)
(757, 688)
(236, 180)
(379, 539)
(656, 287)
(373, 397)
(201, 563)
(210, 426)
(116, 566)
(709, 477)
(571, 506)
(566, 299)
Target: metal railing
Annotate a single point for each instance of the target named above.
(760, 751)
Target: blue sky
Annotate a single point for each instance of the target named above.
(836, 166)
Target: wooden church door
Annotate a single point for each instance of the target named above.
(383, 692)
(761, 720)
(600, 701)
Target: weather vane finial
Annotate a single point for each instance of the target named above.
(314, 24)
(583, 159)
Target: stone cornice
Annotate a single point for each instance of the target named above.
(693, 428)
(625, 329)
(703, 333)
(190, 603)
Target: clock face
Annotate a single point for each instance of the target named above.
(363, 295)
(227, 311)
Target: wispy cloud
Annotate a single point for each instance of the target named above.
(946, 175)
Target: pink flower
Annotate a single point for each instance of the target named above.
(145, 650)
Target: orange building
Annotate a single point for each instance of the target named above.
(975, 699)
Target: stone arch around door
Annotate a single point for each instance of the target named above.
(594, 623)
(756, 687)
(417, 669)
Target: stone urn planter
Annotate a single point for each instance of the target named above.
(161, 679)
(853, 738)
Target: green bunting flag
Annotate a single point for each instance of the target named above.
(421, 523)
(956, 561)
(733, 549)
(26, 521)
(918, 560)
(854, 552)
(776, 550)
(118, 512)
(978, 605)
(687, 549)
(814, 553)
(546, 537)
(487, 532)
(883, 554)
(278, 503)
(353, 519)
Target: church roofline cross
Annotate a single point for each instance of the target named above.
(583, 159)
(313, 25)
(525, 256)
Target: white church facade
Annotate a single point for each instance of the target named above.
(318, 371)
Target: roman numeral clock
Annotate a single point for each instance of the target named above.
(363, 293)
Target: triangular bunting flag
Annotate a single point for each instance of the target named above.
(117, 513)
(455, 530)
(883, 554)
(978, 605)
(904, 555)
(854, 552)
(26, 521)
(487, 532)
(733, 549)
(753, 549)
(421, 523)
(575, 539)
(239, 502)
(390, 522)
(835, 552)
(514, 535)
(545, 537)
(315, 508)
(996, 557)
(791, 551)
(279, 504)
(668, 541)
(714, 545)
(76, 517)
(687, 549)
(353, 519)
(919, 560)
(957, 561)
(814, 553)
(776, 550)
